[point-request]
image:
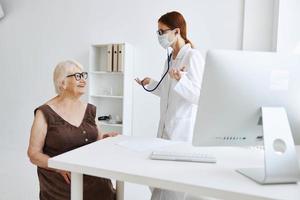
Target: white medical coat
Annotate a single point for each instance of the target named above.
(179, 99)
(178, 105)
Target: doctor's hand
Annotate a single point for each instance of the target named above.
(145, 81)
(177, 73)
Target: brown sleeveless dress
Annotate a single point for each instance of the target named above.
(62, 137)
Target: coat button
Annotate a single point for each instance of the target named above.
(84, 132)
(86, 139)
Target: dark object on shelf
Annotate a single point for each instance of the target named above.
(104, 117)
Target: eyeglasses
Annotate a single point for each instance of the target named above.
(78, 76)
(161, 32)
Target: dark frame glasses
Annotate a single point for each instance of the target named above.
(78, 76)
(161, 32)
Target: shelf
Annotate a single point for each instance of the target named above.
(108, 73)
(108, 124)
(110, 84)
(106, 96)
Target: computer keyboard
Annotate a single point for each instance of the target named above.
(183, 156)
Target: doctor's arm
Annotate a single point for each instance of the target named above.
(152, 84)
(149, 84)
(189, 84)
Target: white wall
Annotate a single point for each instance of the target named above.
(36, 34)
(260, 23)
(289, 26)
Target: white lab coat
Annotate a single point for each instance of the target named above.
(178, 105)
(179, 99)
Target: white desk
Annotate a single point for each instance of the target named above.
(106, 159)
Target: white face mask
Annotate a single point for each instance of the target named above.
(165, 41)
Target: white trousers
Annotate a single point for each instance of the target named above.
(162, 194)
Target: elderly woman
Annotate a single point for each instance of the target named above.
(62, 124)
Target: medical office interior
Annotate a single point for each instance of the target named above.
(37, 34)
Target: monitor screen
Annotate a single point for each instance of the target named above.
(236, 84)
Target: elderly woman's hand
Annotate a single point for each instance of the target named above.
(66, 175)
(109, 134)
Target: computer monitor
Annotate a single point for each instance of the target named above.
(236, 84)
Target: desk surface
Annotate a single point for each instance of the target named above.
(107, 159)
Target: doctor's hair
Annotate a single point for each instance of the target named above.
(63, 69)
(175, 20)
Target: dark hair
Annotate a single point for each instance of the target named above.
(175, 20)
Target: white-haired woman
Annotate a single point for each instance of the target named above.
(61, 124)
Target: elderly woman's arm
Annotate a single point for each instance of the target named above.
(104, 135)
(37, 139)
(36, 144)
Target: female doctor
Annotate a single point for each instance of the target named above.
(179, 88)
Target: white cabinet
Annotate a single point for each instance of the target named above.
(111, 85)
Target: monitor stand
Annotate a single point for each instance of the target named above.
(281, 163)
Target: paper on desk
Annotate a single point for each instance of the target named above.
(145, 144)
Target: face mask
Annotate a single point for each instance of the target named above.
(164, 40)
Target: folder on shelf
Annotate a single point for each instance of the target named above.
(115, 58)
(121, 51)
(109, 52)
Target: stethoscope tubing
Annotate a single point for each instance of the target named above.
(151, 90)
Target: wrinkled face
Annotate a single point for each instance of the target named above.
(75, 82)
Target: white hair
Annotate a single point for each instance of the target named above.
(61, 70)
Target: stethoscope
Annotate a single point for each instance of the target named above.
(169, 60)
